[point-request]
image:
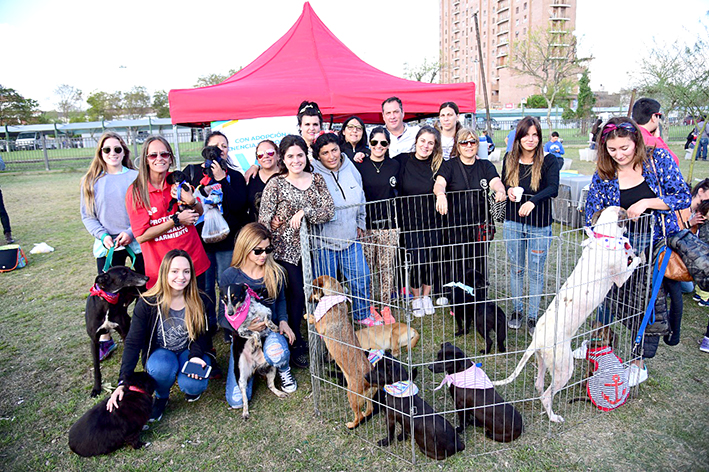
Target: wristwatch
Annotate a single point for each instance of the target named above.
(175, 219)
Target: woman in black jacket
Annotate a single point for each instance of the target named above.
(353, 139)
(168, 330)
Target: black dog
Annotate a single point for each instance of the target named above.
(488, 316)
(101, 431)
(178, 177)
(107, 309)
(434, 435)
(481, 407)
(210, 155)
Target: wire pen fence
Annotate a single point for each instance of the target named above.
(425, 248)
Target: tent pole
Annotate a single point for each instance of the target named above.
(332, 120)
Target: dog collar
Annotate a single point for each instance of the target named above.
(111, 298)
(375, 356)
(473, 377)
(328, 302)
(402, 389)
(240, 314)
(133, 388)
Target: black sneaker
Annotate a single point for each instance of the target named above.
(299, 358)
(531, 325)
(192, 398)
(159, 405)
(216, 372)
(516, 321)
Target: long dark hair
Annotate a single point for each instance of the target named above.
(512, 176)
(287, 142)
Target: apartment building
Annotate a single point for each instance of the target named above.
(502, 22)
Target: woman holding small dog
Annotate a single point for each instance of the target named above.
(253, 264)
(103, 210)
(292, 195)
(531, 180)
(642, 183)
(169, 329)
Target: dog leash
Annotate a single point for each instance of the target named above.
(659, 273)
(109, 258)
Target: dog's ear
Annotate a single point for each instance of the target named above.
(594, 218)
(414, 373)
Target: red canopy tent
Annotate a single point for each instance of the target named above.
(310, 63)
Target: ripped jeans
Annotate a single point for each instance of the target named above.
(277, 354)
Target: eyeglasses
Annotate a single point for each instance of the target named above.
(354, 127)
(374, 142)
(269, 153)
(260, 250)
(468, 142)
(116, 149)
(163, 154)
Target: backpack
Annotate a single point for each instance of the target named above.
(12, 257)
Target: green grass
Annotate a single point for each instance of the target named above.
(45, 376)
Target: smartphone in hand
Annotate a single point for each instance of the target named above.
(196, 369)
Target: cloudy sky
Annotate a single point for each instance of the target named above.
(109, 46)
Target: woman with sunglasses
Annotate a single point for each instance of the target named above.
(103, 210)
(469, 232)
(353, 139)
(267, 157)
(159, 225)
(527, 226)
(379, 182)
(294, 194)
(253, 264)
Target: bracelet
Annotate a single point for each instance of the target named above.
(175, 219)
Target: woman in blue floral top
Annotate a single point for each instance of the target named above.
(642, 181)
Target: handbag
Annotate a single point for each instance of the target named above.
(12, 257)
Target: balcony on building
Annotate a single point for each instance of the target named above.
(560, 5)
(502, 19)
(502, 54)
(558, 18)
(503, 31)
(503, 6)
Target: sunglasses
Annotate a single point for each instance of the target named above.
(374, 142)
(269, 153)
(117, 150)
(163, 154)
(468, 142)
(659, 115)
(354, 127)
(260, 250)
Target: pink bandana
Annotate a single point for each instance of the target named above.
(328, 302)
(133, 388)
(111, 298)
(474, 377)
(402, 389)
(242, 312)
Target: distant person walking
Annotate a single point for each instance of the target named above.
(5, 219)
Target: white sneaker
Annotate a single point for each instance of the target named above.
(636, 375)
(288, 383)
(417, 307)
(581, 351)
(428, 307)
(442, 301)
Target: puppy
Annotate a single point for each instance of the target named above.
(487, 315)
(101, 431)
(475, 398)
(241, 309)
(607, 259)
(342, 344)
(388, 337)
(433, 434)
(107, 310)
(178, 177)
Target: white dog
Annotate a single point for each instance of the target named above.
(607, 258)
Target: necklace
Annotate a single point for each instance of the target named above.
(377, 168)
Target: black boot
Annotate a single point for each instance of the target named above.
(8, 238)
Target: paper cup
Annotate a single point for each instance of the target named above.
(517, 192)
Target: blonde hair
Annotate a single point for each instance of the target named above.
(512, 176)
(462, 135)
(141, 195)
(97, 169)
(249, 237)
(194, 310)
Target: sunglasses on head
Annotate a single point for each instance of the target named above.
(269, 153)
(116, 149)
(374, 142)
(468, 142)
(260, 250)
(163, 154)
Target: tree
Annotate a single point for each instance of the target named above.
(14, 108)
(214, 79)
(136, 102)
(536, 101)
(104, 105)
(585, 100)
(548, 58)
(426, 72)
(161, 104)
(69, 100)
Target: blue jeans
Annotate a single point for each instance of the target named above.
(528, 242)
(277, 354)
(163, 365)
(702, 153)
(218, 263)
(350, 262)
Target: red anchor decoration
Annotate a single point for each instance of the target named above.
(617, 382)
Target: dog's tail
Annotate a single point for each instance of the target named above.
(527, 354)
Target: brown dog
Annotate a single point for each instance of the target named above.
(391, 337)
(601, 336)
(341, 342)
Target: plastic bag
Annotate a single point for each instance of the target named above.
(215, 227)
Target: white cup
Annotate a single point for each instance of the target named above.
(517, 192)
